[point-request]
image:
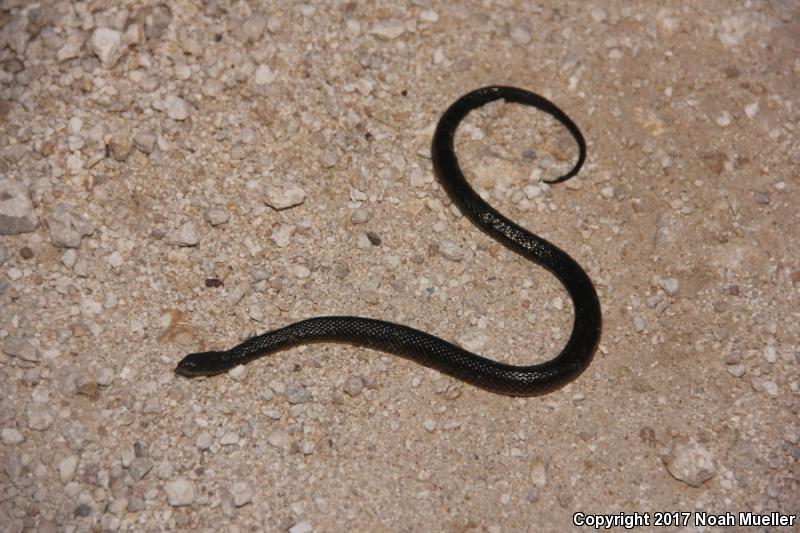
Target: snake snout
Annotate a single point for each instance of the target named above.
(196, 364)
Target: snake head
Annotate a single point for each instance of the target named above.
(202, 364)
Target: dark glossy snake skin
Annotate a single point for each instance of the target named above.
(425, 348)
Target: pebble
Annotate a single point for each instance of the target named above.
(282, 235)
(450, 250)
(538, 472)
(217, 216)
(279, 439)
(360, 216)
(230, 438)
(242, 493)
(203, 440)
(692, 463)
(667, 229)
(39, 418)
(140, 467)
(185, 235)
(68, 226)
(21, 348)
(121, 146)
(176, 107)
(238, 373)
(264, 75)
(145, 142)
(388, 29)
(107, 46)
(301, 527)
(17, 214)
(520, 35)
(428, 15)
(11, 436)
(669, 285)
(354, 385)
(429, 424)
(297, 393)
(179, 492)
(105, 377)
(67, 468)
(599, 14)
(751, 110)
(284, 196)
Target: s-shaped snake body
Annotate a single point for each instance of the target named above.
(425, 348)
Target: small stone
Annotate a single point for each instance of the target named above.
(16, 209)
(354, 386)
(121, 146)
(179, 492)
(67, 468)
(770, 353)
(388, 29)
(203, 440)
(599, 14)
(217, 216)
(538, 472)
(279, 439)
(451, 250)
(107, 46)
(669, 285)
(242, 493)
(429, 15)
(301, 527)
(253, 27)
(264, 75)
(86, 385)
(284, 196)
(724, 119)
(751, 110)
(429, 424)
(282, 235)
(140, 467)
(186, 235)
(692, 463)
(176, 107)
(360, 216)
(39, 418)
(21, 348)
(105, 377)
(115, 259)
(229, 439)
(520, 35)
(145, 142)
(10, 436)
(297, 394)
(329, 158)
(68, 226)
(83, 510)
(26, 253)
(238, 373)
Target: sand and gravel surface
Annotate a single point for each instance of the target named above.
(180, 176)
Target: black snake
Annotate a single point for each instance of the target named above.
(425, 348)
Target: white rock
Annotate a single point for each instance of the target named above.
(203, 440)
(538, 469)
(388, 29)
(107, 46)
(16, 209)
(264, 75)
(68, 226)
(301, 527)
(751, 110)
(67, 468)
(428, 15)
(179, 492)
(279, 439)
(10, 436)
(39, 418)
(115, 259)
(451, 250)
(21, 348)
(186, 235)
(599, 14)
(176, 107)
(282, 235)
(520, 35)
(242, 493)
(669, 285)
(692, 463)
(284, 196)
(216, 216)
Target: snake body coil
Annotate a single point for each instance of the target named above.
(427, 349)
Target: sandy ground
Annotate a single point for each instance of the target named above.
(145, 149)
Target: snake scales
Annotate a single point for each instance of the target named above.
(425, 348)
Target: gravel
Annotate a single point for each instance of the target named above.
(176, 178)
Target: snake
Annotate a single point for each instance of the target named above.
(432, 351)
